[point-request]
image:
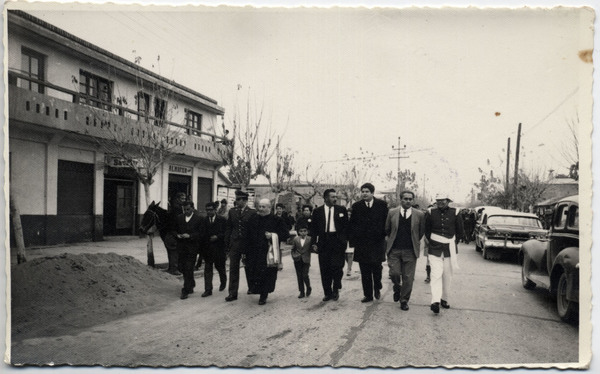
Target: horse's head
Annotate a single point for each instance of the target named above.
(151, 218)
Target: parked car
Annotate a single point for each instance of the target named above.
(554, 263)
(504, 231)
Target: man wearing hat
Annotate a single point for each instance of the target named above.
(443, 229)
(235, 241)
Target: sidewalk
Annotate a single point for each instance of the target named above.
(121, 245)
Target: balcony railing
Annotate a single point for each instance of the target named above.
(60, 108)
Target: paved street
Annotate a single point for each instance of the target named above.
(492, 320)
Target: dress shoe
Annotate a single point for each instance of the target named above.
(445, 304)
(184, 295)
(335, 296)
(308, 291)
(174, 272)
(377, 294)
(404, 305)
(435, 307)
(206, 293)
(262, 301)
(231, 298)
(427, 280)
(396, 297)
(222, 287)
(366, 299)
(327, 298)
(301, 296)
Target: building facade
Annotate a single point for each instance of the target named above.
(65, 95)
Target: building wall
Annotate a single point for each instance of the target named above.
(37, 143)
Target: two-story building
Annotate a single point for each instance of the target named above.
(65, 94)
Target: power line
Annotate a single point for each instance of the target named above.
(373, 156)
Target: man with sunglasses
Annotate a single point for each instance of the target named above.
(235, 241)
(405, 228)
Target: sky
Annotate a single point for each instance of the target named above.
(345, 83)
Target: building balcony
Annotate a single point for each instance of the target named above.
(62, 109)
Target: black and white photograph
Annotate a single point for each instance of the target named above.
(299, 186)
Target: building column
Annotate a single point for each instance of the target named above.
(51, 198)
(98, 233)
(215, 184)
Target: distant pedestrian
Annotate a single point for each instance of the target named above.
(367, 236)
(301, 252)
(305, 219)
(265, 230)
(223, 210)
(189, 236)
(349, 251)
(330, 226)
(213, 249)
(443, 229)
(280, 212)
(236, 241)
(405, 228)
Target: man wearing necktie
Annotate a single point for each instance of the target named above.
(367, 236)
(213, 249)
(405, 228)
(329, 227)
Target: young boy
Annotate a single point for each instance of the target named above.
(301, 255)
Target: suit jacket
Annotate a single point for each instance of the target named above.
(194, 227)
(367, 231)
(217, 228)
(340, 218)
(301, 252)
(417, 228)
(237, 224)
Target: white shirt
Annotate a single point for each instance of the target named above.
(332, 227)
(187, 219)
(369, 203)
(408, 212)
(302, 241)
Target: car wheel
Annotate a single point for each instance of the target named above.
(527, 283)
(485, 253)
(567, 310)
(477, 247)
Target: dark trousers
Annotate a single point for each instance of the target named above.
(370, 276)
(331, 263)
(402, 263)
(302, 274)
(212, 258)
(235, 257)
(187, 258)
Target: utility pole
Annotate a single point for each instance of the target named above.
(399, 149)
(507, 166)
(516, 182)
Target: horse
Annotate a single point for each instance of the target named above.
(157, 218)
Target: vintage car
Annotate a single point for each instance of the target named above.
(504, 231)
(554, 263)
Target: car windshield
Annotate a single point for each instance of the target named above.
(514, 221)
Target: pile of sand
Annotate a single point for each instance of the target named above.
(60, 294)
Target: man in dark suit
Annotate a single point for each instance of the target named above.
(367, 237)
(235, 241)
(405, 228)
(213, 248)
(329, 227)
(189, 236)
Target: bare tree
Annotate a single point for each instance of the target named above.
(251, 147)
(283, 178)
(530, 190)
(570, 148)
(136, 139)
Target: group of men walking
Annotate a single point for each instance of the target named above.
(376, 234)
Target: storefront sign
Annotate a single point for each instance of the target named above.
(179, 169)
(116, 162)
